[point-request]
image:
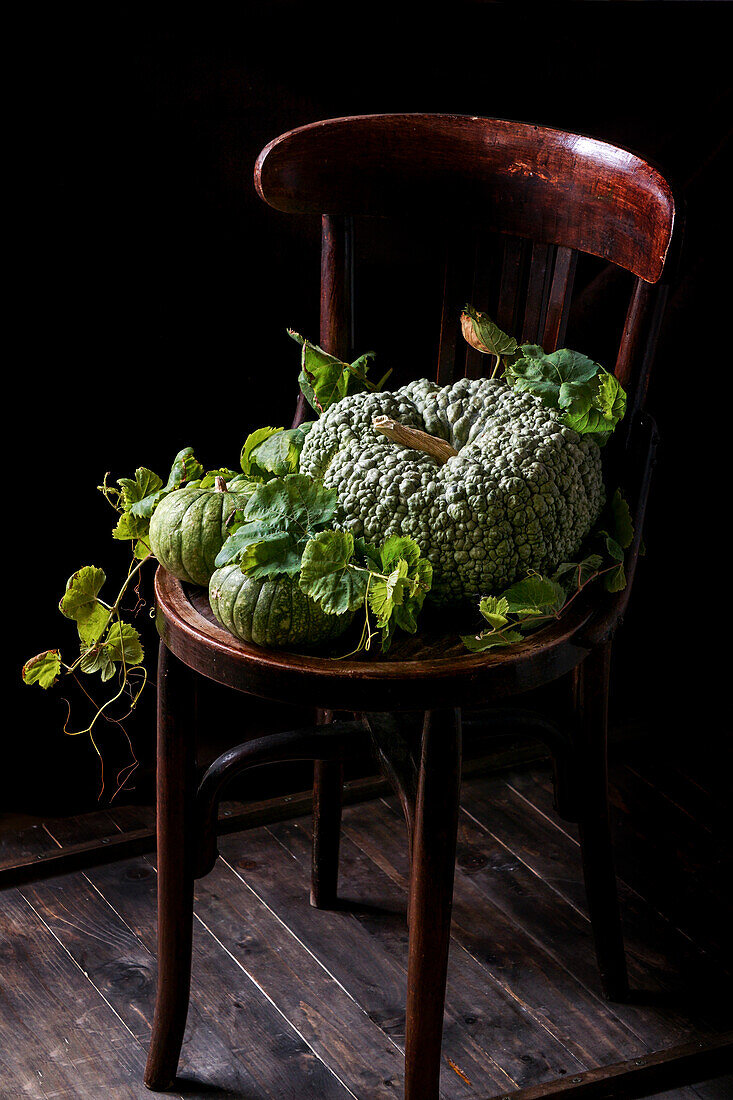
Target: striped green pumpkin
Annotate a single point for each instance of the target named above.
(272, 611)
(189, 528)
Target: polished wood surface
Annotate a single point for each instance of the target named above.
(538, 183)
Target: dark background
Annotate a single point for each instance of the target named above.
(152, 289)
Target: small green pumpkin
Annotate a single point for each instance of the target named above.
(189, 528)
(272, 611)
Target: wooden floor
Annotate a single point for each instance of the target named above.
(289, 1002)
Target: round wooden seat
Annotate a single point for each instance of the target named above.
(425, 671)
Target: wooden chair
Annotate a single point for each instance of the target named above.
(538, 197)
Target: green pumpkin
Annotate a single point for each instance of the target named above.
(189, 528)
(272, 611)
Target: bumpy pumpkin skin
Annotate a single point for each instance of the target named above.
(271, 612)
(188, 529)
(521, 494)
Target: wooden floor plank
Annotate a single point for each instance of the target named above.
(484, 1025)
(579, 1018)
(523, 816)
(667, 970)
(357, 961)
(305, 990)
(258, 942)
(658, 858)
(555, 930)
(281, 992)
(227, 1013)
(719, 1089)
(65, 1036)
(235, 1041)
(31, 841)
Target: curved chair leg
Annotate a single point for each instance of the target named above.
(175, 793)
(328, 782)
(431, 898)
(595, 831)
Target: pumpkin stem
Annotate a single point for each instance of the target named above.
(437, 448)
(220, 484)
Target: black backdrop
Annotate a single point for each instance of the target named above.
(152, 288)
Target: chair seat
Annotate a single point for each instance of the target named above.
(424, 671)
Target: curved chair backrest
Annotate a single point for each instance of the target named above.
(518, 202)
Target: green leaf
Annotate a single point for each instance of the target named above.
(279, 453)
(269, 555)
(387, 593)
(367, 555)
(92, 624)
(142, 495)
(324, 379)
(43, 669)
(534, 595)
(615, 579)
(321, 376)
(98, 659)
(130, 526)
(185, 468)
(326, 575)
(124, 640)
(494, 610)
(559, 379)
(614, 549)
(622, 527)
(82, 589)
(399, 547)
(136, 489)
(306, 505)
(478, 643)
(253, 440)
(589, 398)
(485, 336)
(209, 479)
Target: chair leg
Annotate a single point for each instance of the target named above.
(595, 831)
(328, 781)
(431, 898)
(175, 792)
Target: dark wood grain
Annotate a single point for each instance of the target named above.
(364, 944)
(596, 848)
(431, 893)
(66, 1032)
(538, 289)
(558, 304)
(457, 275)
(174, 814)
(422, 670)
(283, 991)
(550, 186)
(677, 977)
(236, 1042)
(642, 1076)
(508, 310)
(328, 782)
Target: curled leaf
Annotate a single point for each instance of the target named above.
(43, 669)
(483, 335)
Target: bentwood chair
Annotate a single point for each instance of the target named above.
(517, 203)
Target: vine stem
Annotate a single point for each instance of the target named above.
(534, 619)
